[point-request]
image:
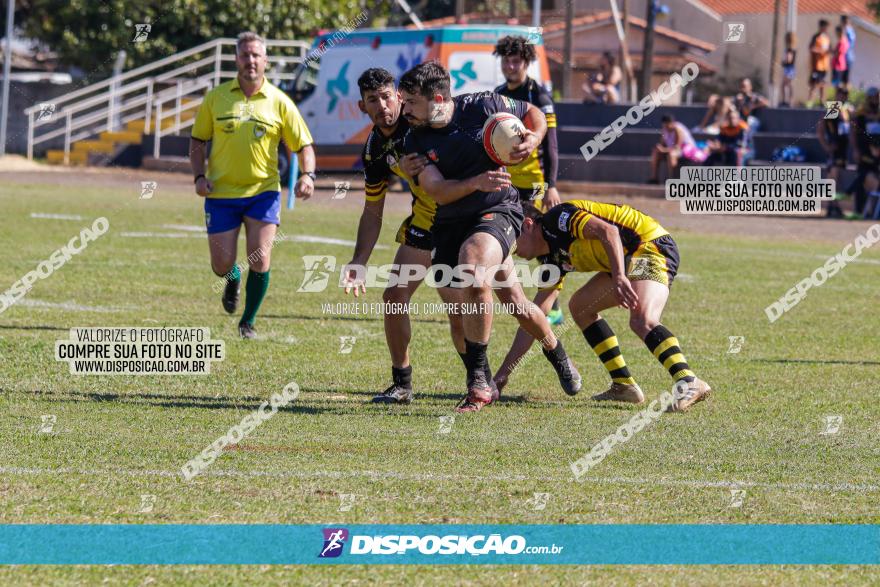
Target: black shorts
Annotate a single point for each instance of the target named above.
(413, 236)
(505, 225)
(655, 260)
(817, 77)
(839, 155)
(533, 196)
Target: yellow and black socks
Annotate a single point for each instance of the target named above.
(665, 347)
(255, 290)
(604, 343)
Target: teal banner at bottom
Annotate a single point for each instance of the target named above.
(698, 544)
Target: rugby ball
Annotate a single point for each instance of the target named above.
(501, 133)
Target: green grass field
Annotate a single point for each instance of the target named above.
(117, 438)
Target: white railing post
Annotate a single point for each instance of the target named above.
(217, 62)
(30, 147)
(177, 109)
(148, 107)
(67, 130)
(111, 109)
(158, 134)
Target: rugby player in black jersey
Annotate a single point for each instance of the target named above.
(383, 157)
(478, 216)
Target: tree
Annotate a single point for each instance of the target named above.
(88, 35)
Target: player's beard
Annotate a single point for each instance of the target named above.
(414, 121)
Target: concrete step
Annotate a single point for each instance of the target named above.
(94, 146)
(122, 136)
(56, 157)
(789, 120)
(641, 141)
(139, 126)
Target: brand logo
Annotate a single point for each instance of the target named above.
(334, 541)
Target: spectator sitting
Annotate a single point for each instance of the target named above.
(719, 106)
(749, 102)
(730, 148)
(676, 143)
(604, 87)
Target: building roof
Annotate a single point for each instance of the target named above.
(597, 18)
(851, 7)
(606, 17)
(660, 63)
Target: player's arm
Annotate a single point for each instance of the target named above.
(445, 191)
(820, 134)
(369, 227)
(298, 138)
(609, 236)
(550, 152)
(305, 185)
(197, 155)
(855, 131)
(536, 128)
(202, 131)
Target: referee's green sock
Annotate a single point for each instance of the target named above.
(255, 290)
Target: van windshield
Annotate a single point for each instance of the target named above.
(305, 79)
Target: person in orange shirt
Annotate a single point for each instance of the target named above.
(732, 143)
(820, 60)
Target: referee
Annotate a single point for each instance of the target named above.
(245, 119)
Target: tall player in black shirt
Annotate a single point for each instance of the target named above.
(383, 158)
(478, 215)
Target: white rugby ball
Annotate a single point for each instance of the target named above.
(501, 133)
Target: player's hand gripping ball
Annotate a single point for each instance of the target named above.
(501, 133)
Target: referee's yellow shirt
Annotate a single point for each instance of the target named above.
(244, 134)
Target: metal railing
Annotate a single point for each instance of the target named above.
(141, 94)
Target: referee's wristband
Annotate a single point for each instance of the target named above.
(196, 180)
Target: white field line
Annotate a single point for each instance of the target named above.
(66, 306)
(48, 216)
(376, 475)
(185, 227)
(769, 252)
(190, 233)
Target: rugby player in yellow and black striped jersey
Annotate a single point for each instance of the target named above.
(636, 260)
(383, 157)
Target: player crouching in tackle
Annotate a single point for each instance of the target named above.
(478, 216)
(245, 119)
(582, 235)
(382, 157)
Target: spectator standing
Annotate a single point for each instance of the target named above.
(851, 37)
(840, 67)
(788, 68)
(820, 60)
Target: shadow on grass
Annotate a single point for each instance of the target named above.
(167, 401)
(13, 327)
(816, 361)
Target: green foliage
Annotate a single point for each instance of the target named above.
(88, 34)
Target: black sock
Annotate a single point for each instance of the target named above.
(464, 359)
(402, 377)
(557, 356)
(475, 358)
